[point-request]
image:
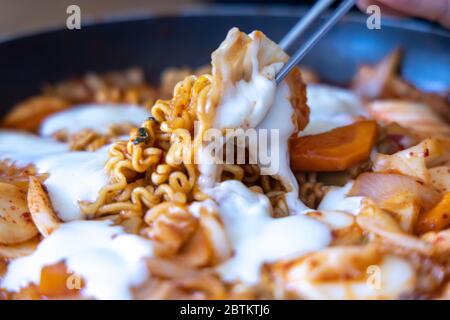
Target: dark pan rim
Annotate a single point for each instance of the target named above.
(198, 11)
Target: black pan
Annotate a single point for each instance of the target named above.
(154, 43)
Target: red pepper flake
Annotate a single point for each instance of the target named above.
(26, 216)
(426, 153)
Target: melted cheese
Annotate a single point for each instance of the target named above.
(258, 238)
(331, 107)
(23, 148)
(96, 117)
(73, 176)
(245, 104)
(108, 260)
(262, 105)
(336, 199)
(279, 117)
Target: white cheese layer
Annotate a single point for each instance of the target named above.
(336, 199)
(256, 237)
(331, 107)
(109, 261)
(96, 117)
(260, 104)
(73, 176)
(24, 148)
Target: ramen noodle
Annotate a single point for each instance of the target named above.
(107, 192)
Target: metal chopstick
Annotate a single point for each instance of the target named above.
(316, 11)
(343, 8)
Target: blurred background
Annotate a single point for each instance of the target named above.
(30, 62)
(19, 16)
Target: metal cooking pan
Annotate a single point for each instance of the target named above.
(187, 39)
